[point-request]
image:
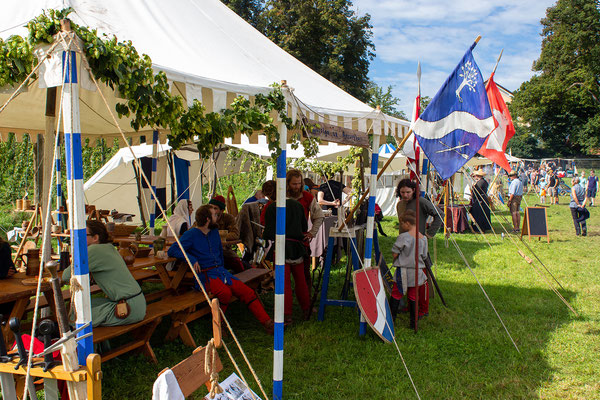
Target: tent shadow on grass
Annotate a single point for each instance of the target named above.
(460, 352)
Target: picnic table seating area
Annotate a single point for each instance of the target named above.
(175, 299)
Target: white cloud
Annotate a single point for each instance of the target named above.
(437, 33)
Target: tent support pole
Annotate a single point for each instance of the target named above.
(46, 168)
(371, 208)
(171, 163)
(381, 171)
(138, 184)
(153, 199)
(77, 223)
(280, 263)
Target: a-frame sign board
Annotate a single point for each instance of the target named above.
(535, 223)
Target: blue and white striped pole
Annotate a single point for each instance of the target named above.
(152, 210)
(371, 207)
(58, 186)
(372, 196)
(279, 267)
(72, 129)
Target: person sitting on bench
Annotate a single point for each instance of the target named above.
(202, 245)
(124, 302)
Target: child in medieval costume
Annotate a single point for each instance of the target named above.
(403, 252)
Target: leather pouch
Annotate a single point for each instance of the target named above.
(122, 309)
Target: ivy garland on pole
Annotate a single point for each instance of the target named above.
(146, 95)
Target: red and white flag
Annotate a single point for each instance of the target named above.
(411, 147)
(494, 147)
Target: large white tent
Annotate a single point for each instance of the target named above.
(207, 52)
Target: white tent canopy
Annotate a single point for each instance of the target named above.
(114, 185)
(206, 50)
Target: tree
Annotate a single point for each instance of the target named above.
(561, 105)
(386, 100)
(250, 10)
(327, 36)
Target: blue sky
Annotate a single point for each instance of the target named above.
(437, 33)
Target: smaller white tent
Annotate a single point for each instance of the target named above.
(114, 185)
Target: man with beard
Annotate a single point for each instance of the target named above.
(295, 191)
(202, 244)
(228, 222)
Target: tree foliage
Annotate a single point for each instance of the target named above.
(385, 99)
(326, 35)
(561, 104)
(250, 10)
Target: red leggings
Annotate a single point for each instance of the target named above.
(301, 288)
(241, 291)
(411, 294)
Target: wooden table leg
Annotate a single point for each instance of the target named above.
(164, 275)
(17, 311)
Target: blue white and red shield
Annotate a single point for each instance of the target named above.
(371, 298)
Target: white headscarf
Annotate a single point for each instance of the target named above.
(181, 215)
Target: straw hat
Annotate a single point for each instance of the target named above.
(512, 173)
(479, 172)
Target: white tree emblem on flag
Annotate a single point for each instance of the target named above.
(469, 75)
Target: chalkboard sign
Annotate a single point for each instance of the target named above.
(535, 223)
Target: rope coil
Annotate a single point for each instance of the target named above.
(209, 364)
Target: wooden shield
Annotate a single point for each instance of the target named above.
(370, 295)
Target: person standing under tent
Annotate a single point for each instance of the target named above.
(257, 196)
(330, 195)
(295, 190)
(180, 221)
(311, 187)
(480, 207)
(406, 192)
(592, 187)
(202, 244)
(109, 271)
(295, 252)
(515, 194)
(228, 222)
(403, 252)
(577, 207)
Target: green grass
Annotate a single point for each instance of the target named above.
(460, 351)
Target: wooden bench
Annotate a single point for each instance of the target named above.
(140, 332)
(192, 305)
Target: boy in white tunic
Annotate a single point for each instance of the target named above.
(403, 252)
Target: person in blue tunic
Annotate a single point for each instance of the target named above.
(202, 244)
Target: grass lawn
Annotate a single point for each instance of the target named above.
(460, 352)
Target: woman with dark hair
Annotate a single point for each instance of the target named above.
(108, 270)
(407, 194)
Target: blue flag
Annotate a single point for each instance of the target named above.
(457, 121)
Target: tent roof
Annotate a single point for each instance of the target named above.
(211, 53)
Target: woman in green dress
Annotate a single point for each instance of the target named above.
(108, 270)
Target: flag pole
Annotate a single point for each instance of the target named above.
(381, 171)
(497, 62)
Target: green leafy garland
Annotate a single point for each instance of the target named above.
(147, 98)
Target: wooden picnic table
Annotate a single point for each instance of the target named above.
(12, 289)
(146, 239)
